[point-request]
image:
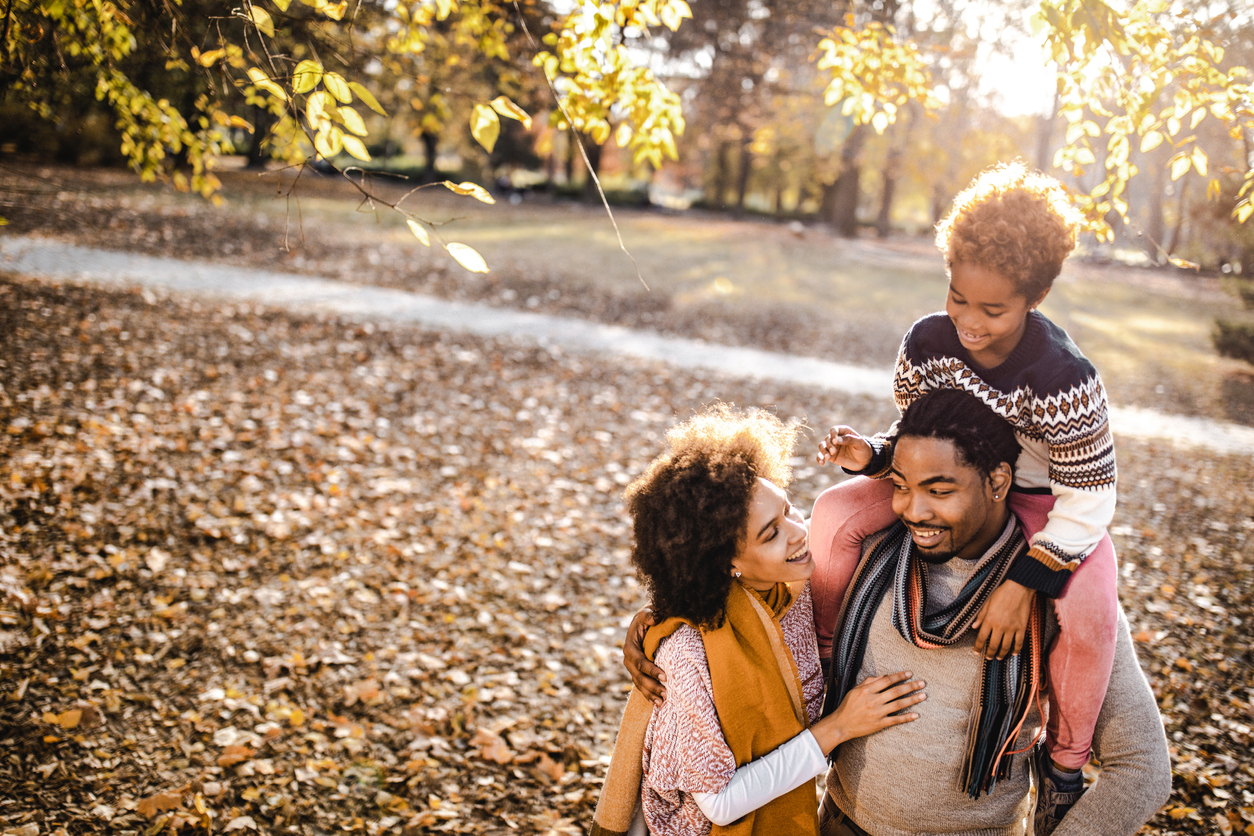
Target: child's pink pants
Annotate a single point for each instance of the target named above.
(1079, 662)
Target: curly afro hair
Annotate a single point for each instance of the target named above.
(982, 438)
(1017, 222)
(690, 509)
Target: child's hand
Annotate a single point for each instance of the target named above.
(844, 447)
(1003, 621)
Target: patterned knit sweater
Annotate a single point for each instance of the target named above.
(1054, 398)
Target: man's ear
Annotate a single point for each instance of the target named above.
(1000, 480)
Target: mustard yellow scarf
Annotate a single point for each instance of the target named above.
(758, 697)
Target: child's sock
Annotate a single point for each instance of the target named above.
(1066, 780)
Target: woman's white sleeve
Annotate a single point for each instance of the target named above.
(764, 780)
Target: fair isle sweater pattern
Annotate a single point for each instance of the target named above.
(1053, 397)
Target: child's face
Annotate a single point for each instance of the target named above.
(988, 312)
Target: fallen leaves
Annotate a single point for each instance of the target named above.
(325, 575)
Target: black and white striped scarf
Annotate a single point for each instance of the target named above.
(1007, 687)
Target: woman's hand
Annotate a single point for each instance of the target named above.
(646, 676)
(1002, 623)
(868, 708)
(843, 446)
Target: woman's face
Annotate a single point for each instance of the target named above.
(776, 545)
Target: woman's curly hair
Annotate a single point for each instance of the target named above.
(1017, 222)
(690, 509)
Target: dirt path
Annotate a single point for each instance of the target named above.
(57, 260)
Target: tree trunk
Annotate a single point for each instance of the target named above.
(841, 198)
(572, 151)
(430, 143)
(263, 121)
(1179, 227)
(1155, 226)
(590, 193)
(1044, 130)
(883, 221)
(742, 177)
(722, 175)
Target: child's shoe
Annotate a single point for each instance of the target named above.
(1056, 793)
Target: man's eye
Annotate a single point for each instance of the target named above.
(941, 493)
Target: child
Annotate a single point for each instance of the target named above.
(1004, 243)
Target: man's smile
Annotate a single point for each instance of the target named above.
(926, 536)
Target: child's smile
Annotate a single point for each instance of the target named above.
(988, 312)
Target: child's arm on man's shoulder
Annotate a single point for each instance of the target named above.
(847, 448)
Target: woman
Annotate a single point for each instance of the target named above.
(735, 746)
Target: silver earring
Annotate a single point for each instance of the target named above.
(735, 573)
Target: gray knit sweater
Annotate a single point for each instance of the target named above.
(903, 781)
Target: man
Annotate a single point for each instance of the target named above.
(948, 772)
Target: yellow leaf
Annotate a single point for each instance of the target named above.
(263, 20)
(356, 147)
(485, 127)
(1213, 189)
(329, 141)
(472, 189)
(879, 122)
(1199, 160)
(240, 122)
(622, 136)
(507, 108)
(336, 12)
(1179, 166)
(599, 131)
(262, 81)
(467, 257)
(283, 4)
(316, 110)
(297, 717)
(1243, 211)
(207, 59)
(337, 86)
(352, 120)
(306, 76)
(1150, 141)
(674, 12)
(367, 97)
(419, 232)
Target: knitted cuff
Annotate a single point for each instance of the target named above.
(1039, 570)
(881, 459)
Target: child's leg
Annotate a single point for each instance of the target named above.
(844, 515)
(1081, 657)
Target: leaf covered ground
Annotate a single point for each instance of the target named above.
(267, 573)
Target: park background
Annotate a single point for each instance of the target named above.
(275, 570)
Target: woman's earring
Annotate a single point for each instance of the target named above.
(735, 573)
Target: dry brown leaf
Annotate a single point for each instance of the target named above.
(153, 805)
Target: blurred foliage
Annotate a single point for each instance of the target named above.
(1153, 74)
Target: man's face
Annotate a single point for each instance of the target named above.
(947, 504)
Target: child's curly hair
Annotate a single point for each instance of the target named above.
(1017, 222)
(690, 509)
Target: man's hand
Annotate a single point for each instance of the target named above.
(1002, 624)
(646, 676)
(843, 446)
